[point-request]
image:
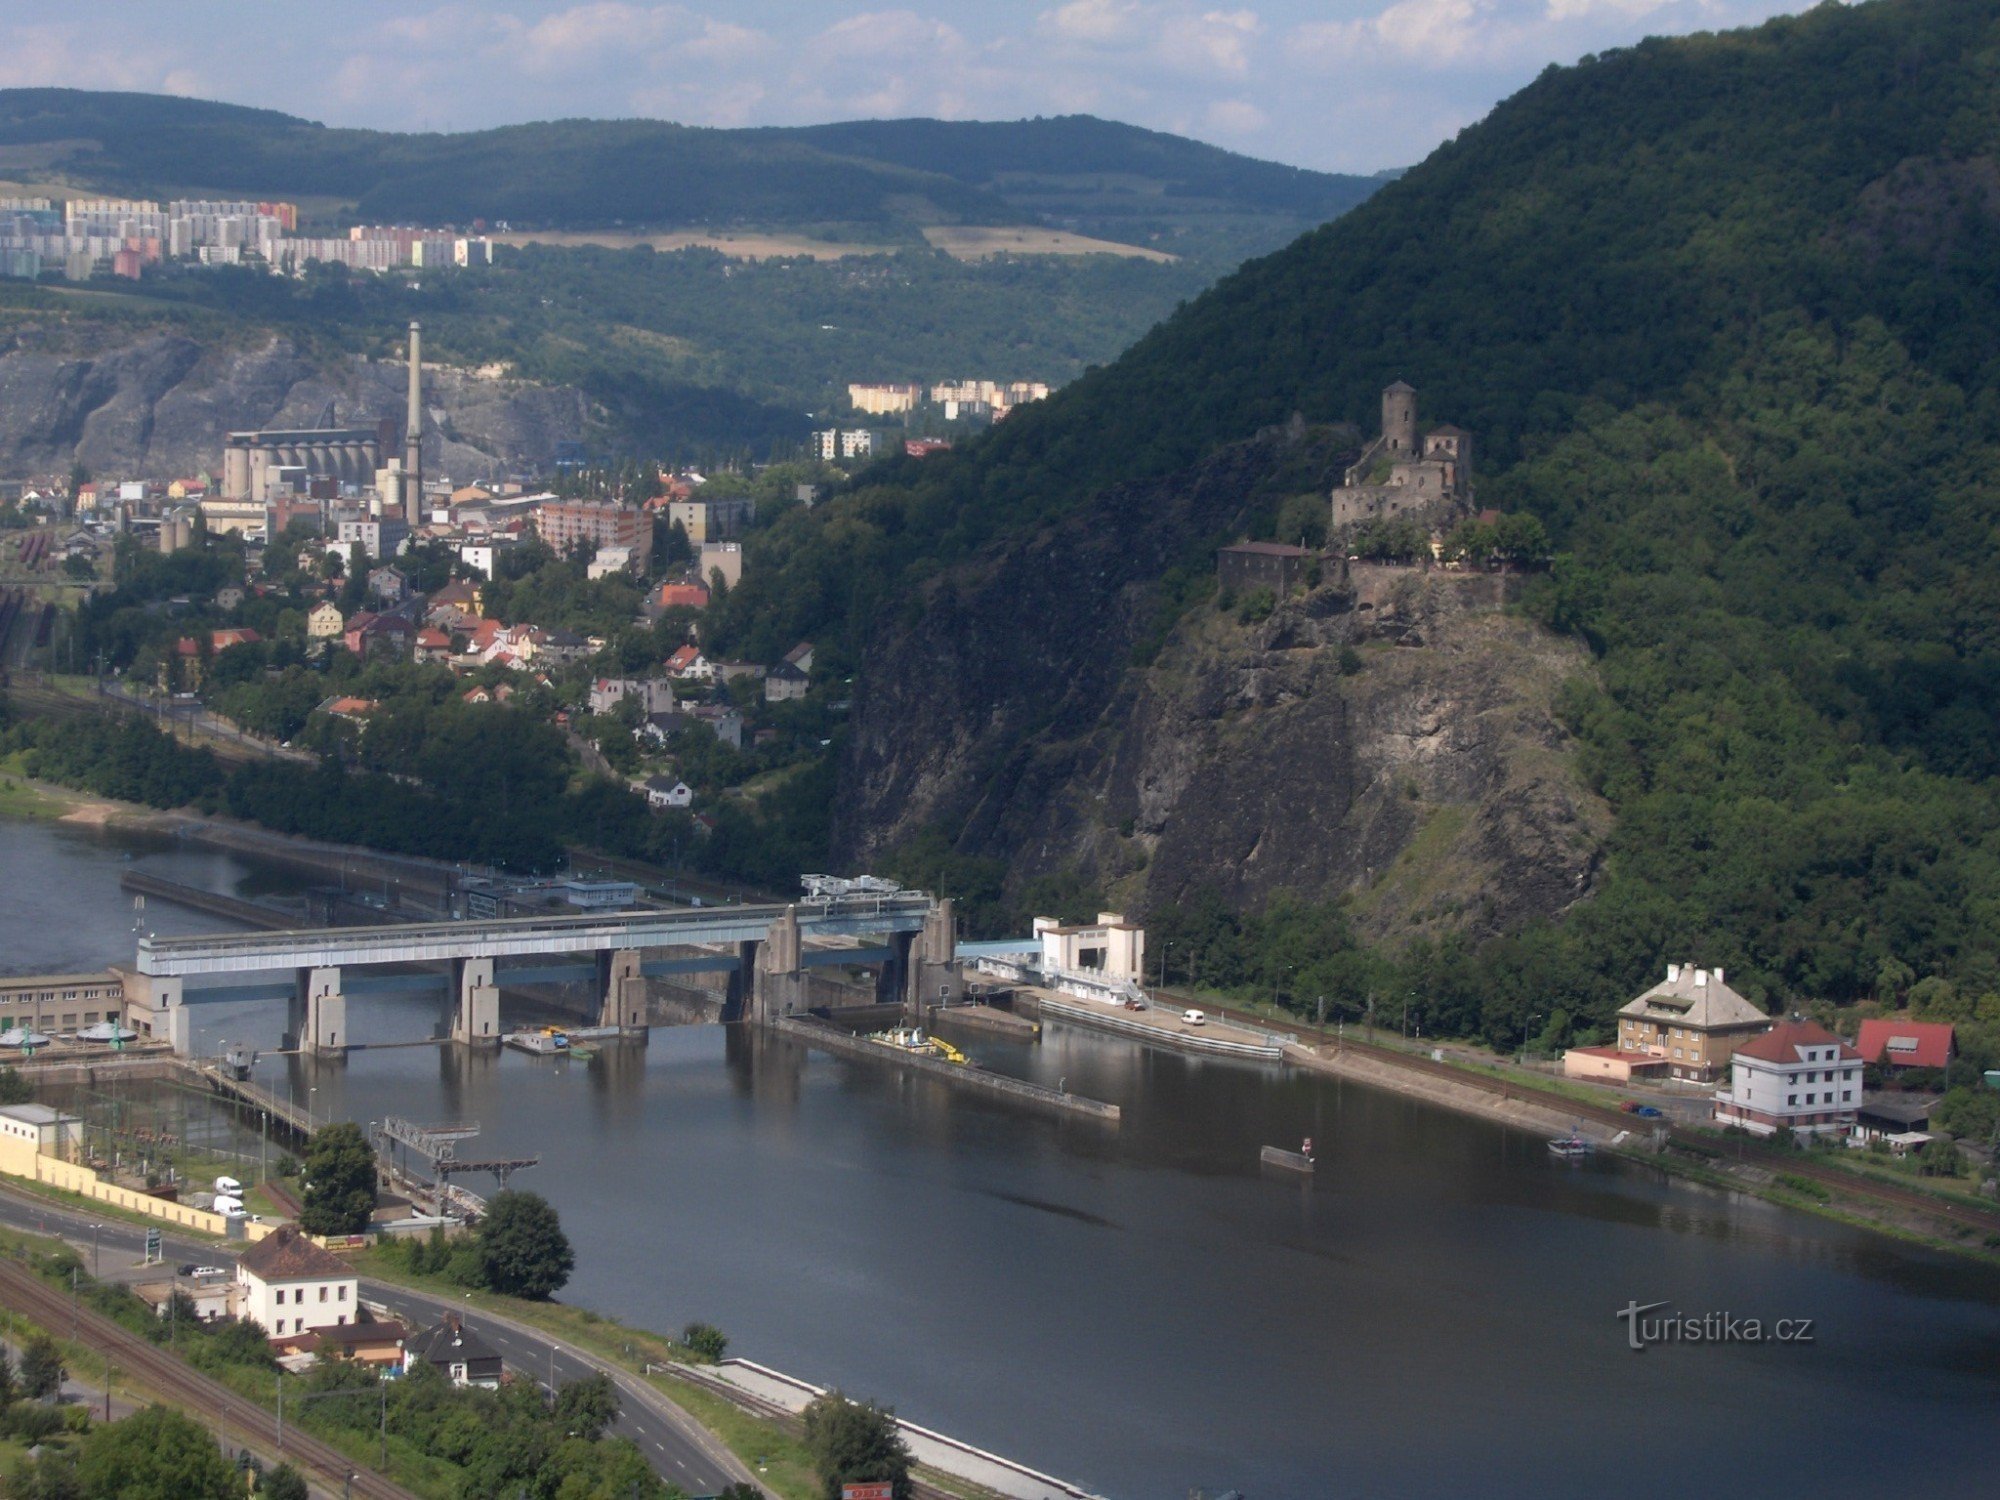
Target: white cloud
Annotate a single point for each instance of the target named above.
(1235, 117)
(1095, 22)
(1570, 10)
(1214, 41)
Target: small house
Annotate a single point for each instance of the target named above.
(1895, 1043)
(455, 1352)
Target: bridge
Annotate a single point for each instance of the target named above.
(909, 936)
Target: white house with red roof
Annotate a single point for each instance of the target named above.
(688, 665)
(290, 1285)
(1797, 1076)
(1896, 1043)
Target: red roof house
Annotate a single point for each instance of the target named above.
(1787, 1042)
(1897, 1043)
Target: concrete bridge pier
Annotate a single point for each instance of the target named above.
(622, 982)
(778, 979)
(737, 990)
(318, 1018)
(476, 1013)
(934, 977)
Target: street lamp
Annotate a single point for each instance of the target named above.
(93, 1250)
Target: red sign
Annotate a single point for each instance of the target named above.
(882, 1491)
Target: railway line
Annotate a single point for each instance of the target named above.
(26, 1293)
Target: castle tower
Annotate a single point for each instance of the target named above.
(1399, 420)
(413, 433)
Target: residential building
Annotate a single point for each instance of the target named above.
(432, 645)
(556, 644)
(801, 656)
(835, 443)
(785, 683)
(1612, 1065)
(567, 524)
(325, 622)
(925, 447)
(380, 537)
(1693, 1020)
(1896, 1043)
(457, 1353)
(884, 400)
(681, 594)
(609, 560)
(729, 671)
(371, 635)
(289, 1285)
(1797, 1076)
(712, 520)
(388, 584)
(653, 695)
(723, 560)
(725, 723)
(668, 791)
(688, 665)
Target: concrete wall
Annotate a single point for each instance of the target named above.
(20, 1159)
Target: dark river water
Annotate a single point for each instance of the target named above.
(1139, 1310)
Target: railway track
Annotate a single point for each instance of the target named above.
(26, 1293)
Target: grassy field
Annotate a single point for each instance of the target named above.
(740, 245)
(974, 242)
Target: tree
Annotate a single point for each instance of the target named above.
(6, 1380)
(14, 1089)
(705, 1339)
(42, 1369)
(156, 1454)
(522, 1247)
(856, 1442)
(340, 1181)
(284, 1483)
(586, 1408)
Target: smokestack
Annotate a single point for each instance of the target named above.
(413, 432)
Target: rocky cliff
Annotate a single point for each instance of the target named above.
(157, 404)
(1390, 734)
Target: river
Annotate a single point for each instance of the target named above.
(1139, 1310)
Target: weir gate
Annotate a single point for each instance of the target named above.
(907, 936)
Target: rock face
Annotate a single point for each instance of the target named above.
(1390, 735)
(159, 404)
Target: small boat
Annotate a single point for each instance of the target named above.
(1571, 1146)
(1289, 1161)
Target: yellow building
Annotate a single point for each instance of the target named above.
(1692, 1021)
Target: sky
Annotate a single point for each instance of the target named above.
(1339, 85)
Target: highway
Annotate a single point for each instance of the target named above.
(680, 1449)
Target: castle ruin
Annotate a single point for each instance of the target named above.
(1397, 478)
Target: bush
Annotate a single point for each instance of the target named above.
(704, 1339)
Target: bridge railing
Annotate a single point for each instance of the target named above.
(633, 929)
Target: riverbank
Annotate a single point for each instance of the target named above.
(766, 1439)
(1797, 1180)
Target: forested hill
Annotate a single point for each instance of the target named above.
(600, 173)
(1721, 311)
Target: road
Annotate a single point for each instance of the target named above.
(680, 1449)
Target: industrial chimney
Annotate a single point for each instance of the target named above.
(413, 433)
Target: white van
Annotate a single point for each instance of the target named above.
(229, 1185)
(1194, 1018)
(229, 1208)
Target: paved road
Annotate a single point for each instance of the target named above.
(679, 1448)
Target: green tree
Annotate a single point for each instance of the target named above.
(587, 1408)
(284, 1483)
(42, 1369)
(14, 1089)
(340, 1181)
(705, 1339)
(855, 1442)
(522, 1248)
(156, 1454)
